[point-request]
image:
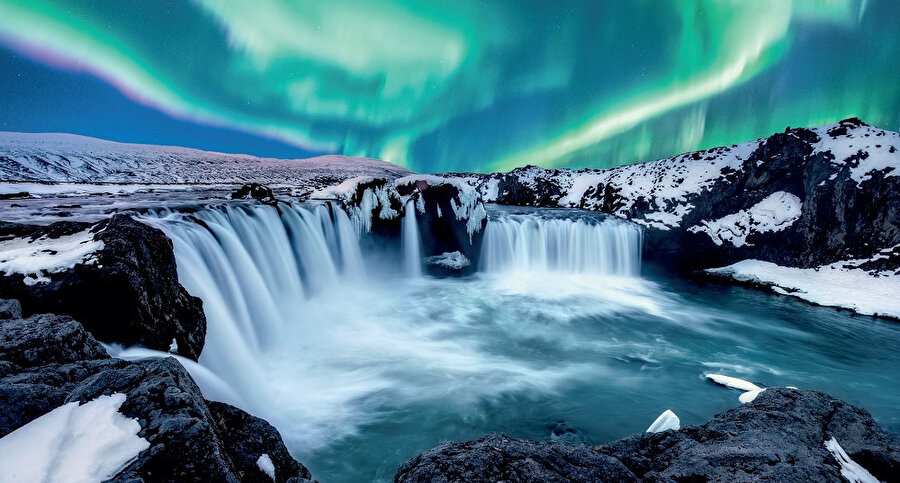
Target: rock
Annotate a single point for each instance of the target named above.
(779, 436)
(190, 438)
(451, 218)
(847, 211)
(129, 294)
(10, 309)
(46, 339)
(500, 458)
(255, 191)
(247, 438)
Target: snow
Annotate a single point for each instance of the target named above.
(850, 470)
(72, 443)
(840, 284)
(453, 260)
(40, 257)
(666, 421)
(264, 463)
(470, 206)
(69, 158)
(875, 143)
(775, 212)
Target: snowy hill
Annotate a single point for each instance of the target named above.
(80, 159)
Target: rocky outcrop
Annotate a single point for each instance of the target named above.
(450, 214)
(126, 290)
(47, 361)
(254, 191)
(801, 198)
(779, 436)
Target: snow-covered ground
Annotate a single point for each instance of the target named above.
(72, 443)
(68, 158)
(839, 284)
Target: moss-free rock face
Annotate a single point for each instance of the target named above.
(125, 291)
(779, 436)
(47, 361)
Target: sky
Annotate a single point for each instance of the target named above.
(468, 85)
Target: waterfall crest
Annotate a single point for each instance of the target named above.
(602, 246)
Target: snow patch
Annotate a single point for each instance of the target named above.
(839, 284)
(775, 212)
(851, 470)
(665, 422)
(73, 443)
(38, 258)
(879, 148)
(264, 463)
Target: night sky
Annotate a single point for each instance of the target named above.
(438, 86)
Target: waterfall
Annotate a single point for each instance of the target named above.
(254, 266)
(410, 243)
(602, 246)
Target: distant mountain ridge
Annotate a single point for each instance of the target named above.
(57, 157)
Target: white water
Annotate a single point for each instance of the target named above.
(531, 243)
(411, 244)
(312, 339)
(360, 366)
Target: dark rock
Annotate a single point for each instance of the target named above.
(779, 436)
(46, 339)
(130, 294)
(444, 213)
(500, 458)
(246, 438)
(10, 309)
(255, 191)
(190, 438)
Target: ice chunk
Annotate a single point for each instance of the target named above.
(265, 464)
(72, 443)
(851, 470)
(749, 396)
(666, 421)
(732, 382)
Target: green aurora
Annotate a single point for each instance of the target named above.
(473, 85)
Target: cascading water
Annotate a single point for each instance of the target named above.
(411, 245)
(602, 246)
(347, 355)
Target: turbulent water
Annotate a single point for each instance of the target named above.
(361, 361)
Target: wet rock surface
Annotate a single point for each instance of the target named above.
(128, 294)
(779, 436)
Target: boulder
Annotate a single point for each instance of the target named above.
(49, 361)
(779, 436)
(128, 292)
(254, 191)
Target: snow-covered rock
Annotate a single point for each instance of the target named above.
(68, 158)
(775, 212)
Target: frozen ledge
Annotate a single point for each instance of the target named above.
(835, 285)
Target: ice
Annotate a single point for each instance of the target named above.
(265, 464)
(72, 443)
(732, 382)
(665, 422)
(749, 396)
(38, 258)
(851, 470)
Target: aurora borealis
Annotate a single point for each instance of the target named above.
(473, 85)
